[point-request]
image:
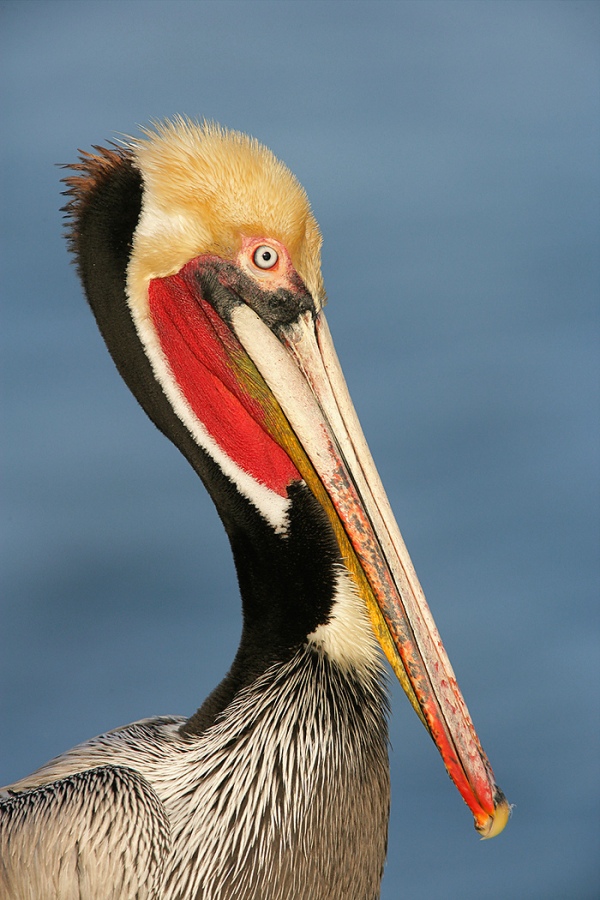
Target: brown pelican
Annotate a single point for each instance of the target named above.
(199, 255)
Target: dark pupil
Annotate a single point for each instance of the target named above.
(266, 255)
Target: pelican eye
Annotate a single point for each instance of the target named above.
(265, 257)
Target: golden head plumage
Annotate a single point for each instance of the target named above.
(206, 187)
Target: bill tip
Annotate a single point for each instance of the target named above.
(494, 824)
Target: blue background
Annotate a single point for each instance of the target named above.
(450, 150)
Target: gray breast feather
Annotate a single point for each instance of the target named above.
(113, 858)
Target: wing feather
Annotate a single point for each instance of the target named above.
(101, 834)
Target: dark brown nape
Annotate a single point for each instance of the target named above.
(89, 174)
(102, 174)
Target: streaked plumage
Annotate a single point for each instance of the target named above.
(199, 255)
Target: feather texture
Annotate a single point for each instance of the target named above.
(289, 790)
